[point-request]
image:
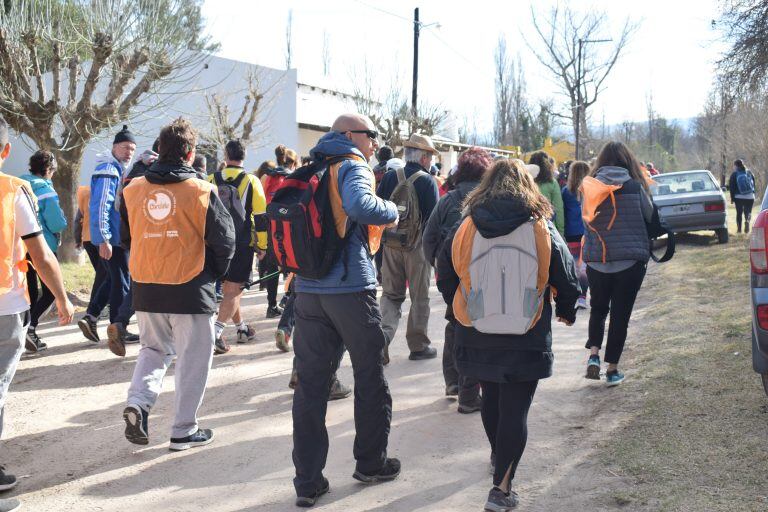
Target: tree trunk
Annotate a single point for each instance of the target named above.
(66, 180)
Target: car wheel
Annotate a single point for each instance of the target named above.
(765, 382)
(722, 235)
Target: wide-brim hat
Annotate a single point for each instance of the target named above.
(532, 169)
(423, 142)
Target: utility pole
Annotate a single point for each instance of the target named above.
(414, 91)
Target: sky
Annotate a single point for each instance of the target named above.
(671, 56)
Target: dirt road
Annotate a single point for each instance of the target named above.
(64, 434)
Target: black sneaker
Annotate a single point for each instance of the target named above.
(338, 391)
(274, 312)
(499, 501)
(427, 353)
(6, 481)
(136, 424)
(220, 346)
(472, 405)
(89, 328)
(309, 501)
(33, 342)
(202, 437)
(131, 338)
(389, 471)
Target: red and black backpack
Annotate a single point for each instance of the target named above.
(302, 232)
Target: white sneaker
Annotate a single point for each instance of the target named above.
(582, 303)
(9, 505)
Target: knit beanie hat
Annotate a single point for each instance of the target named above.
(124, 135)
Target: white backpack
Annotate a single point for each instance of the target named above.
(503, 298)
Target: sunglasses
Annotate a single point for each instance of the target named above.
(372, 134)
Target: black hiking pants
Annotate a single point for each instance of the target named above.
(744, 209)
(325, 325)
(469, 388)
(613, 293)
(505, 419)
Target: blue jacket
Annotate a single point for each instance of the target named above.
(49, 213)
(574, 225)
(105, 216)
(363, 207)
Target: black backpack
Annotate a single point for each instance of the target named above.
(302, 230)
(240, 213)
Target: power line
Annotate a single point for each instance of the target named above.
(384, 11)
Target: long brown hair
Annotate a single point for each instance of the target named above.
(617, 154)
(546, 168)
(285, 157)
(508, 179)
(576, 173)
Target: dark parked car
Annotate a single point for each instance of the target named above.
(758, 257)
(691, 201)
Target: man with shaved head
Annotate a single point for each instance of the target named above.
(340, 311)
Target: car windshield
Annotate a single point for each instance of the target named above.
(682, 183)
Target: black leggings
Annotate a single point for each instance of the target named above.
(613, 293)
(505, 419)
(40, 299)
(269, 266)
(744, 207)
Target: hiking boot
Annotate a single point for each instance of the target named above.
(220, 346)
(294, 379)
(9, 505)
(593, 368)
(131, 338)
(246, 335)
(6, 481)
(89, 328)
(427, 353)
(385, 355)
(582, 303)
(499, 501)
(452, 390)
(136, 424)
(309, 501)
(614, 378)
(470, 406)
(274, 312)
(33, 342)
(338, 391)
(282, 340)
(202, 437)
(116, 334)
(389, 471)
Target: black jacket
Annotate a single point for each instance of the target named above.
(197, 296)
(505, 357)
(426, 188)
(443, 218)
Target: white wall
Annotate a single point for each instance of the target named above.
(277, 120)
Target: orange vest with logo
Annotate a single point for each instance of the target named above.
(11, 246)
(83, 198)
(340, 216)
(167, 230)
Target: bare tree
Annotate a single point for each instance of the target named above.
(289, 40)
(569, 51)
(502, 117)
(744, 27)
(102, 59)
(326, 54)
(247, 123)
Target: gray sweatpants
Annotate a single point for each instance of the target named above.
(399, 267)
(13, 331)
(164, 336)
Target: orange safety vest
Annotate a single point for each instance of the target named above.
(83, 198)
(167, 230)
(340, 216)
(11, 245)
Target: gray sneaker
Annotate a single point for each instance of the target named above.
(9, 505)
(498, 501)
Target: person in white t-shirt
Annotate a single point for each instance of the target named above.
(20, 233)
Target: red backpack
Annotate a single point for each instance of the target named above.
(271, 185)
(302, 230)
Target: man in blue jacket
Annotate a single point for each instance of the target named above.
(105, 230)
(340, 310)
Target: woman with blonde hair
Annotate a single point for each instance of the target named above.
(504, 319)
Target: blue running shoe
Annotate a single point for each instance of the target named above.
(614, 378)
(593, 368)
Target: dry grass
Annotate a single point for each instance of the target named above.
(696, 440)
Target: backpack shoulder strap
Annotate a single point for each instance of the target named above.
(400, 175)
(418, 174)
(218, 177)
